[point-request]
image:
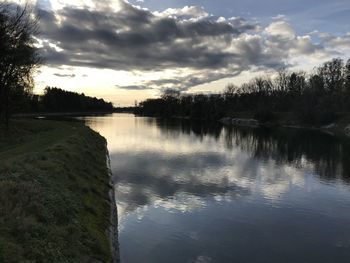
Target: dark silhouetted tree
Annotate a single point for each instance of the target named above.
(332, 74)
(347, 76)
(18, 56)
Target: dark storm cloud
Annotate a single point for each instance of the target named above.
(132, 38)
(182, 83)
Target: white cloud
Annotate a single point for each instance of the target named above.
(281, 29)
(187, 11)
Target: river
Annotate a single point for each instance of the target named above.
(192, 192)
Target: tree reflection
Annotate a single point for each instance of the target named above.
(328, 153)
(294, 146)
(177, 127)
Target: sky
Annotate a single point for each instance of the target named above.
(127, 51)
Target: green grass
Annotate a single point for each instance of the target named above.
(54, 184)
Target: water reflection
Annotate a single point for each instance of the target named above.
(193, 192)
(166, 175)
(325, 151)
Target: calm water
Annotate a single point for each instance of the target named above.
(187, 192)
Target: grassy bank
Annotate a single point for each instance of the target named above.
(54, 184)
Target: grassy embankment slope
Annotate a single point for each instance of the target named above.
(54, 183)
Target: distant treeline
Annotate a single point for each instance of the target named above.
(130, 109)
(58, 100)
(314, 98)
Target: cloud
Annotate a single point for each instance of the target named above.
(281, 29)
(134, 87)
(64, 75)
(133, 38)
(200, 46)
(185, 12)
(185, 82)
(337, 42)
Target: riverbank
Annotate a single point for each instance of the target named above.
(54, 193)
(340, 126)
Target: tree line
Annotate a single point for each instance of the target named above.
(315, 98)
(59, 100)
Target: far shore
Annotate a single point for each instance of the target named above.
(341, 126)
(73, 113)
(57, 114)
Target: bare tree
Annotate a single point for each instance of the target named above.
(18, 55)
(230, 91)
(347, 76)
(281, 82)
(332, 74)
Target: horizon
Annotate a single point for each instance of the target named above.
(133, 50)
